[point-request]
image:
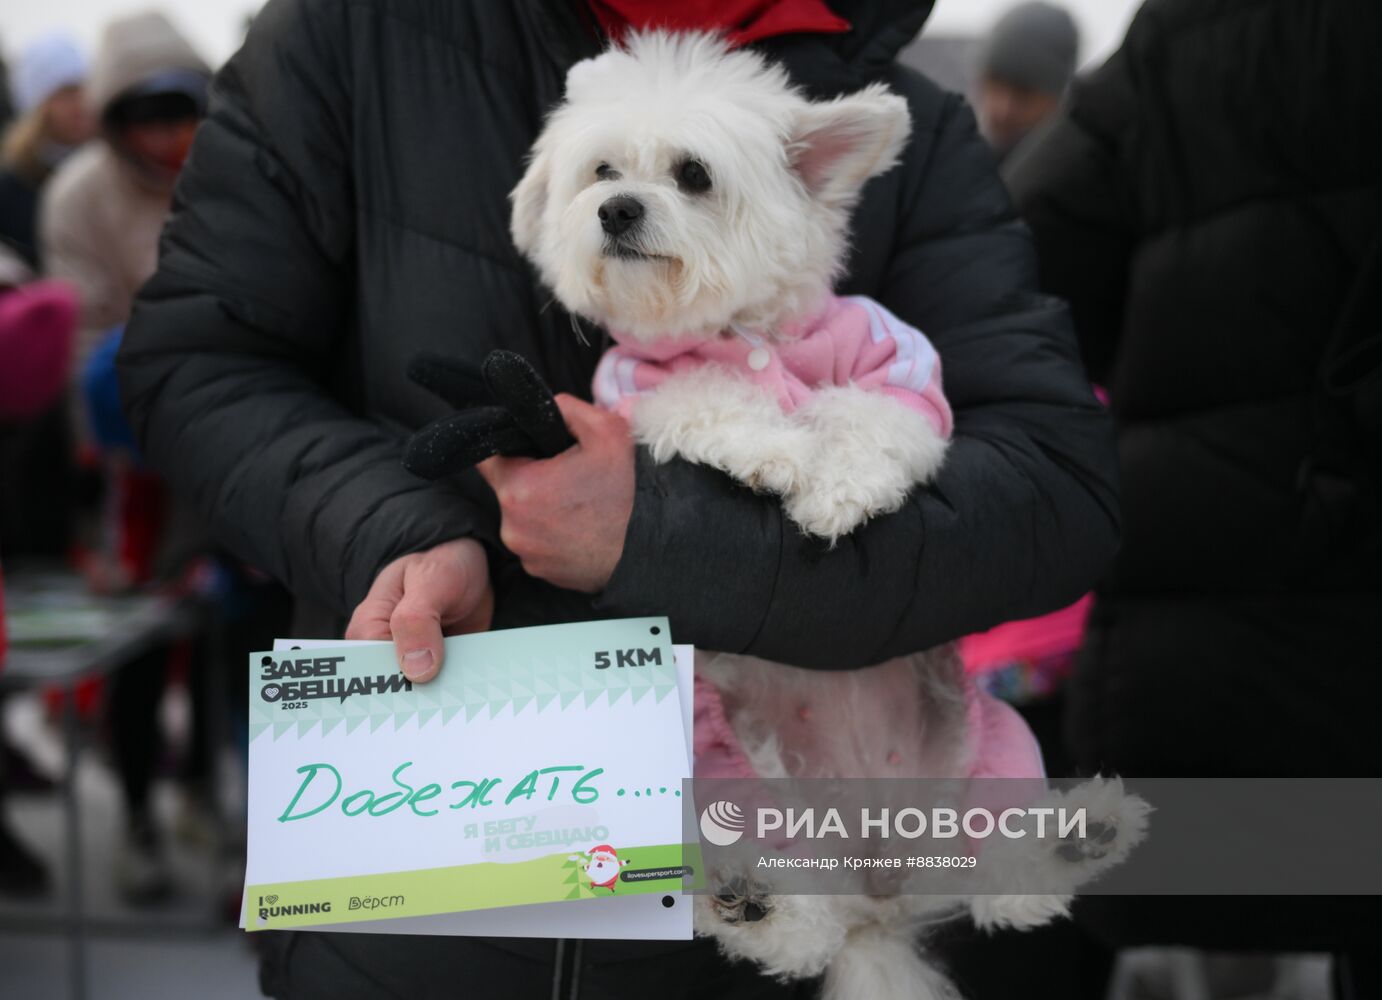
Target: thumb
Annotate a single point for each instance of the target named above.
(582, 419)
(416, 628)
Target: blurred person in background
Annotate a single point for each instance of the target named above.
(6, 95)
(36, 480)
(36, 476)
(1210, 206)
(100, 221)
(104, 208)
(53, 120)
(1025, 65)
(38, 320)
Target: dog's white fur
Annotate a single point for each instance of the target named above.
(845, 456)
(867, 453)
(758, 250)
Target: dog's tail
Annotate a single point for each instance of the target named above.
(884, 963)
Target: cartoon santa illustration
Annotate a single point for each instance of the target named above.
(603, 867)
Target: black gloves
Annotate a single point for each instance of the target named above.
(522, 420)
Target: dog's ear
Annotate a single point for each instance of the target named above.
(529, 202)
(836, 146)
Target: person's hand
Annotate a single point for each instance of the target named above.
(418, 598)
(565, 517)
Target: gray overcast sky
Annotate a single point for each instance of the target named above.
(215, 26)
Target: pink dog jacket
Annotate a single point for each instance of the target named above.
(852, 341)
(999, 743)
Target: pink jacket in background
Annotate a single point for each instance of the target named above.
(38, 322)
(853, 340)
(1055, 634)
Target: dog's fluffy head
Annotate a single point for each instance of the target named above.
(682, 187)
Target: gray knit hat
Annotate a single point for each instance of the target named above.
(1033, 45)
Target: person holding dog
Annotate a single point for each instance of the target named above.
(345, 207)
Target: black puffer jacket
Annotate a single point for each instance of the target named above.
(344, 207)
(1208, 206)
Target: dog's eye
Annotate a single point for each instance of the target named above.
(693, 178)
(605, 172)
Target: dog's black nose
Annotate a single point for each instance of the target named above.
(619, 214)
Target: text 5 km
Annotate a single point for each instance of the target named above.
(604, 659)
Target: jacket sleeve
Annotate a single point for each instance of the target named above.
(1021, 520)
(224, 363)
(1071, 187)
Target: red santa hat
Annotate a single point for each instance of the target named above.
(603, 849)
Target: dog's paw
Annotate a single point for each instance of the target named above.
(834, 498)
(739, 901)
(1111, 822)
(1020, 912)
(868, 453)
(1095, 845)
(1115, 823)
(777, 474)
(822, 512)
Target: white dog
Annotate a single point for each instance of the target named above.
(690, 200)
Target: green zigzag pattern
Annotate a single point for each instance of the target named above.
(513, 686)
